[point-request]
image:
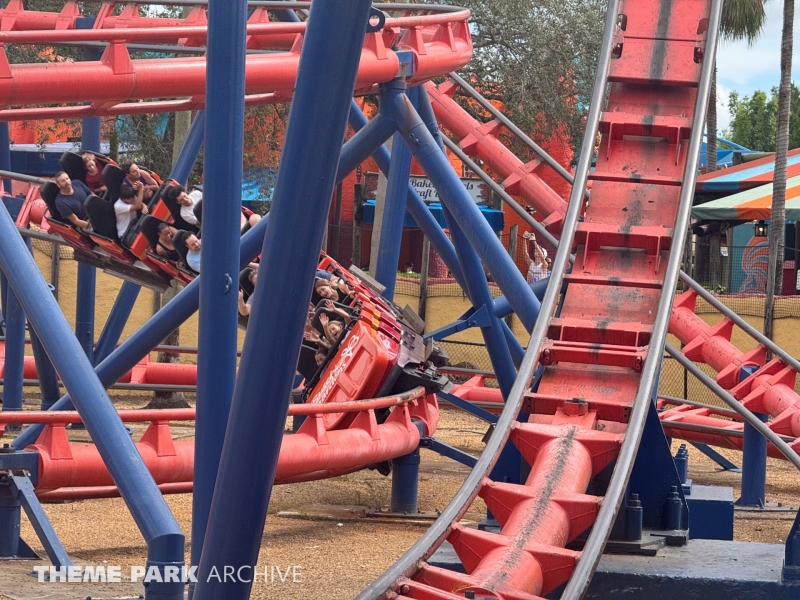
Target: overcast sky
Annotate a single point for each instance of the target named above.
(745, 69)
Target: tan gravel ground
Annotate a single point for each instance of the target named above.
(336, 559)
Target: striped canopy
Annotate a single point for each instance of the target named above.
(746, 176)
(751, 205)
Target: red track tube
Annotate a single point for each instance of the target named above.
(479, 140)
(441, 43)
(770, 390)
(309, 454)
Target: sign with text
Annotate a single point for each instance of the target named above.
(480, 192)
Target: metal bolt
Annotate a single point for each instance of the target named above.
(546, 360)
(405, 589)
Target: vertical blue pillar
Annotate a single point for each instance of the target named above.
(5, 154)
(117, 318)
(754, 459)
(87, 274)
(509, 464)
(394, 210)
(475, 227)
(48, 383)
(323, 90)
(15, 352)
(222, 203)
(416, 207)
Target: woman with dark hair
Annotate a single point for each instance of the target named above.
(136, 178)
(165, 246)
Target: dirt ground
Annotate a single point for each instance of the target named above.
(331, 557)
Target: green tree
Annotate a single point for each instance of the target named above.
(740, 20)
(753, 120)
(538, 57)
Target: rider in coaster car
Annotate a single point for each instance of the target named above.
(133, 175)
(70, 198)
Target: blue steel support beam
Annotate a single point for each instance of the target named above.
(151, 334)
(87, 274)
(117, 318)
(5, 154)
(222, 205)
(190, 149)
(754, 458)
(326, 77)
(477, 285)
(164, 538)
(415, 205)
(509, 464)
(48, 382)
(456, 198)
(15, 351)
(516, 349)
(369, 138)
(502, 308)
(394, 209)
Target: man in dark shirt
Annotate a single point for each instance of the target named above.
(70, 199)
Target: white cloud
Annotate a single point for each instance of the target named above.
(723, 116)
(748, 68)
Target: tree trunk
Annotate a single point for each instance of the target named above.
(711, 125)
(778, 215)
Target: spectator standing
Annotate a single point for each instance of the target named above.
(536, 257)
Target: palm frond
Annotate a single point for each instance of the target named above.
(742, 20)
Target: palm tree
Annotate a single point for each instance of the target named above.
(778, 214)
(741, 20)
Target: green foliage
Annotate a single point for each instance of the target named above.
(149, 140)
(538, 57)
(754, 120)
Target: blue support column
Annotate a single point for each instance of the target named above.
(415, 205)
(323, 91)
(87, 274)
(150, 335)
(48, 382)
(117, 318)
(15, 353)
(5, 154)
(754, 459)
(164, 538)
(394, 208)
(191, 147)
(222, 203)
(405, 480)
(456, 198)
(509, 465)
